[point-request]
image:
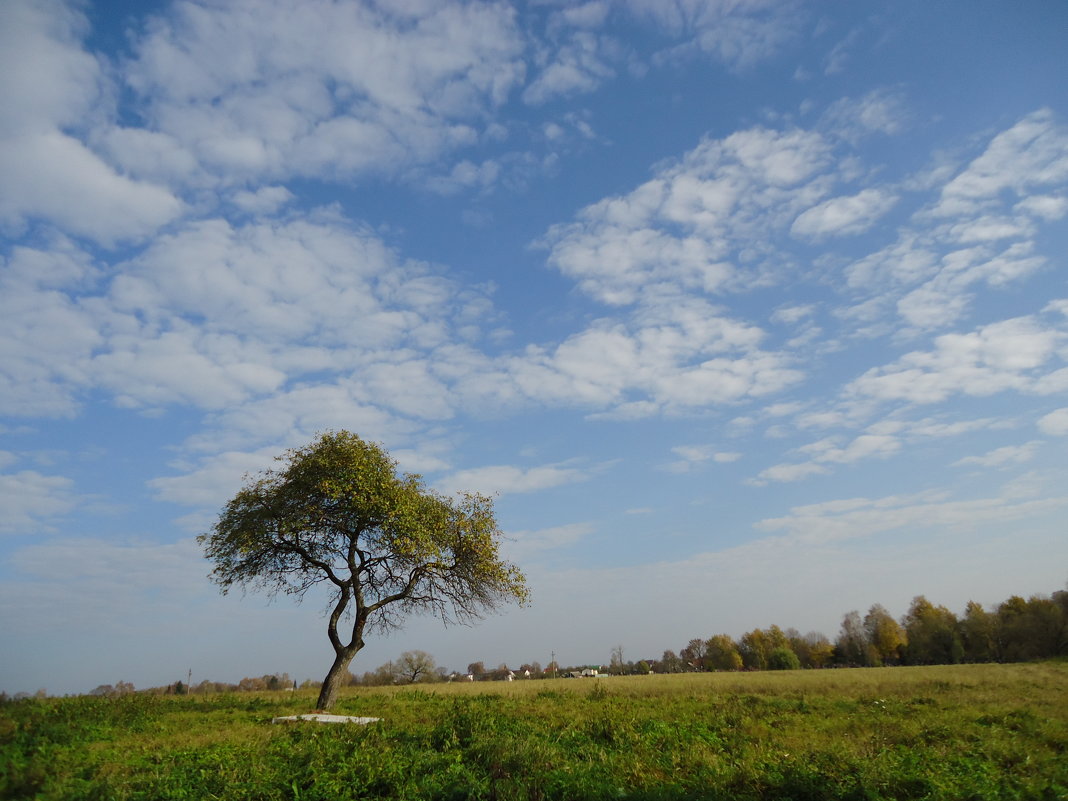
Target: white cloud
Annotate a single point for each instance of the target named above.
(1010, 454)
(693, 455)
(50, 86)
(31, 500)
(840, 216)
(826, 451)
(1048, 207)
(994, 358)
(577, 67)
(115, 567)
(739, 35)
(691, 362)
(46, 338)
(981, 229)
(862, 517)
(585, 15)
(277, 88)
(265, 200)
(864, 446)
(465, 175)
(507, 479)
(879, 111)
(789, 472)
(1055, 423)
(523, 546)
(946, 297)
(47, 80)
(790, 315)
(217, 479)
(1031, 154)
(682, 229)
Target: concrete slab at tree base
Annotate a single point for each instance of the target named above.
(319, 718)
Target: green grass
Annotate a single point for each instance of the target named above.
(964, 732)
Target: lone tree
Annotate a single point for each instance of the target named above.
(338, 513)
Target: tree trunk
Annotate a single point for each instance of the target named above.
(334, 680)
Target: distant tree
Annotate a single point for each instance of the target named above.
(813, 650)
(413, 666)
(643, 667)
(782, 658)
(851, 647)
(932, 634)
(694, 653)
(979, 634)
(381, 676)
(757, 645)
(670, 662)
(1033, 629)
(179, 688)
(106, 690)
(476, 669)
(721, 653)
(820, 650)
(338, 514)
(616, 664)
(1060, 600)
(886, 638)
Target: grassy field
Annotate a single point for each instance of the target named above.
(961, 732)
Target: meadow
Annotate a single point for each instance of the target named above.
(946, 732)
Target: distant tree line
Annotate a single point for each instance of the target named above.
(1016, 630)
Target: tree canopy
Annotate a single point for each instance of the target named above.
(337, 513)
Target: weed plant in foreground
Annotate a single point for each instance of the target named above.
(965, 732)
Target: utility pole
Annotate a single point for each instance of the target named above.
(553, 654)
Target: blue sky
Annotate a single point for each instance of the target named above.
(747, 312)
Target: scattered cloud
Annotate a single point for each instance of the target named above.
(1010, 454)
(843, 215)
(51, 85)
(215, 80)
(31, 501)
(508, 479)
(577, 67)
(738, 35)
(863, 517)
(682, 229)
(1001, 356)
(523, 546)
(1055, 423)
(1033, 153)
(882, 111)
(690, 456)
(788, 473)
